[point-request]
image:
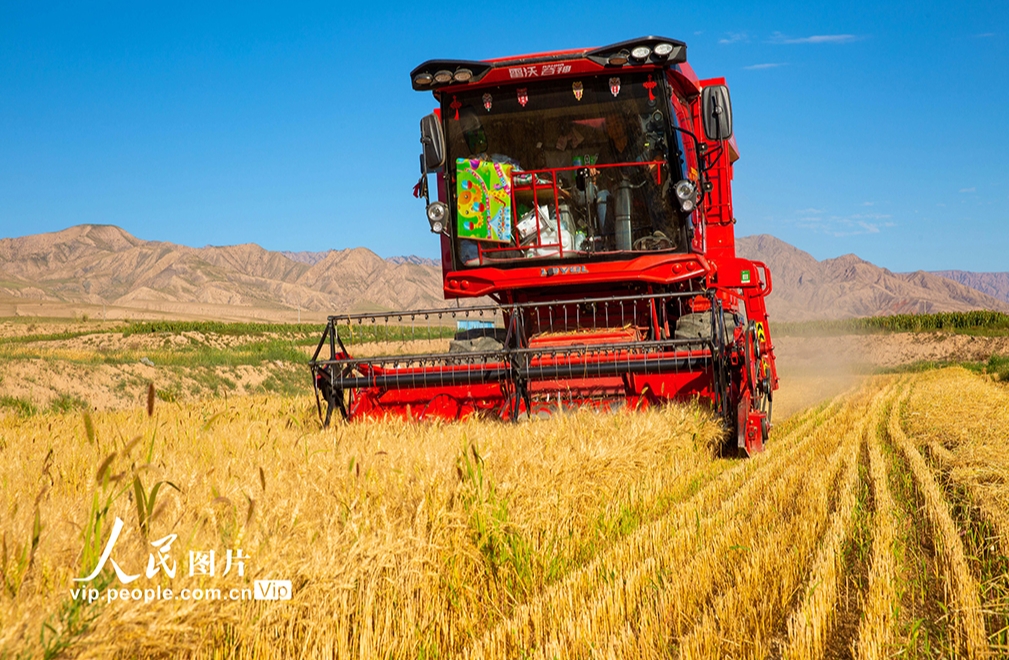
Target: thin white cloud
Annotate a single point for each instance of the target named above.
(843, 226)
(868, 203)
(984, 35)
(779, 38)
(768, 65)
(810, 211)
(734, 37)
(968, 190)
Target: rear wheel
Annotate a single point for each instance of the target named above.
(765, 397)
(758, 386)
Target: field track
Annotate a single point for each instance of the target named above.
(873, 526)
(762, 561)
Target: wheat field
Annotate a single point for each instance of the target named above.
(873, 526)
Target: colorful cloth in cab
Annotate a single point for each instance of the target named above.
(484, 200)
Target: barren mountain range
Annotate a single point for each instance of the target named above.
(995, 285)
(101, 264)
(806, 289)
(95, 265)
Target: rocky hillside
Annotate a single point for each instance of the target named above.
(99, 264)
(848, 286)
(995, 285)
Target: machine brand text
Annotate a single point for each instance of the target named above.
(536, 71)
(562, 270)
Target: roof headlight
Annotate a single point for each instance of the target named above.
(436, 214)
(688, 205)
(618, 59)
(641, 53)
(442, 77)
(423, 79)
(663, 50)
(463, 75)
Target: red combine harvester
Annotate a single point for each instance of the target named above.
(586, 193)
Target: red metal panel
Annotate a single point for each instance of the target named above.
(657, 269)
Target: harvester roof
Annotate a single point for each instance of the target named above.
(649, 51)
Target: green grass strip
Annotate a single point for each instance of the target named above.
(979, 322)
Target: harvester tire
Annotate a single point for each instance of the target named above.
(698, 326)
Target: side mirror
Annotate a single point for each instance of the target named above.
(717, 109)
(434, 143)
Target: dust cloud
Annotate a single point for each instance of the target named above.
(812, 369)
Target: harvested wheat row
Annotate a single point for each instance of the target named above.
(962, 588)
(683, 577)
(964, 478)
(743, 618)
(810, 625)
(702, 558)
(695, 567)
(562, 616)
(800, 424)
(967, 417)
(756, 549)
(877, 632)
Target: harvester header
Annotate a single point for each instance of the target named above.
(585, 195)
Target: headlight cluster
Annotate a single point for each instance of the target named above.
(437, 73)
(640, 54)
(686, 192)
(436, 213)
(444, 76)
(653, 50)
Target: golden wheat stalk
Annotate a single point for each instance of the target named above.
(963, 420)
(742, 619)
(962, 587)
(810, 625)
(385, 542)
(877, 631)
(611, 536)
(992, 510)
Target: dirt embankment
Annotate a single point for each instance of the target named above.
(45, 383)
(105, 369)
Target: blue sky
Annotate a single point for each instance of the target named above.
(877, 128)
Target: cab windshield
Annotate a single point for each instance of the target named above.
(566, 169)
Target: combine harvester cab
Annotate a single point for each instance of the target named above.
(584, 197)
